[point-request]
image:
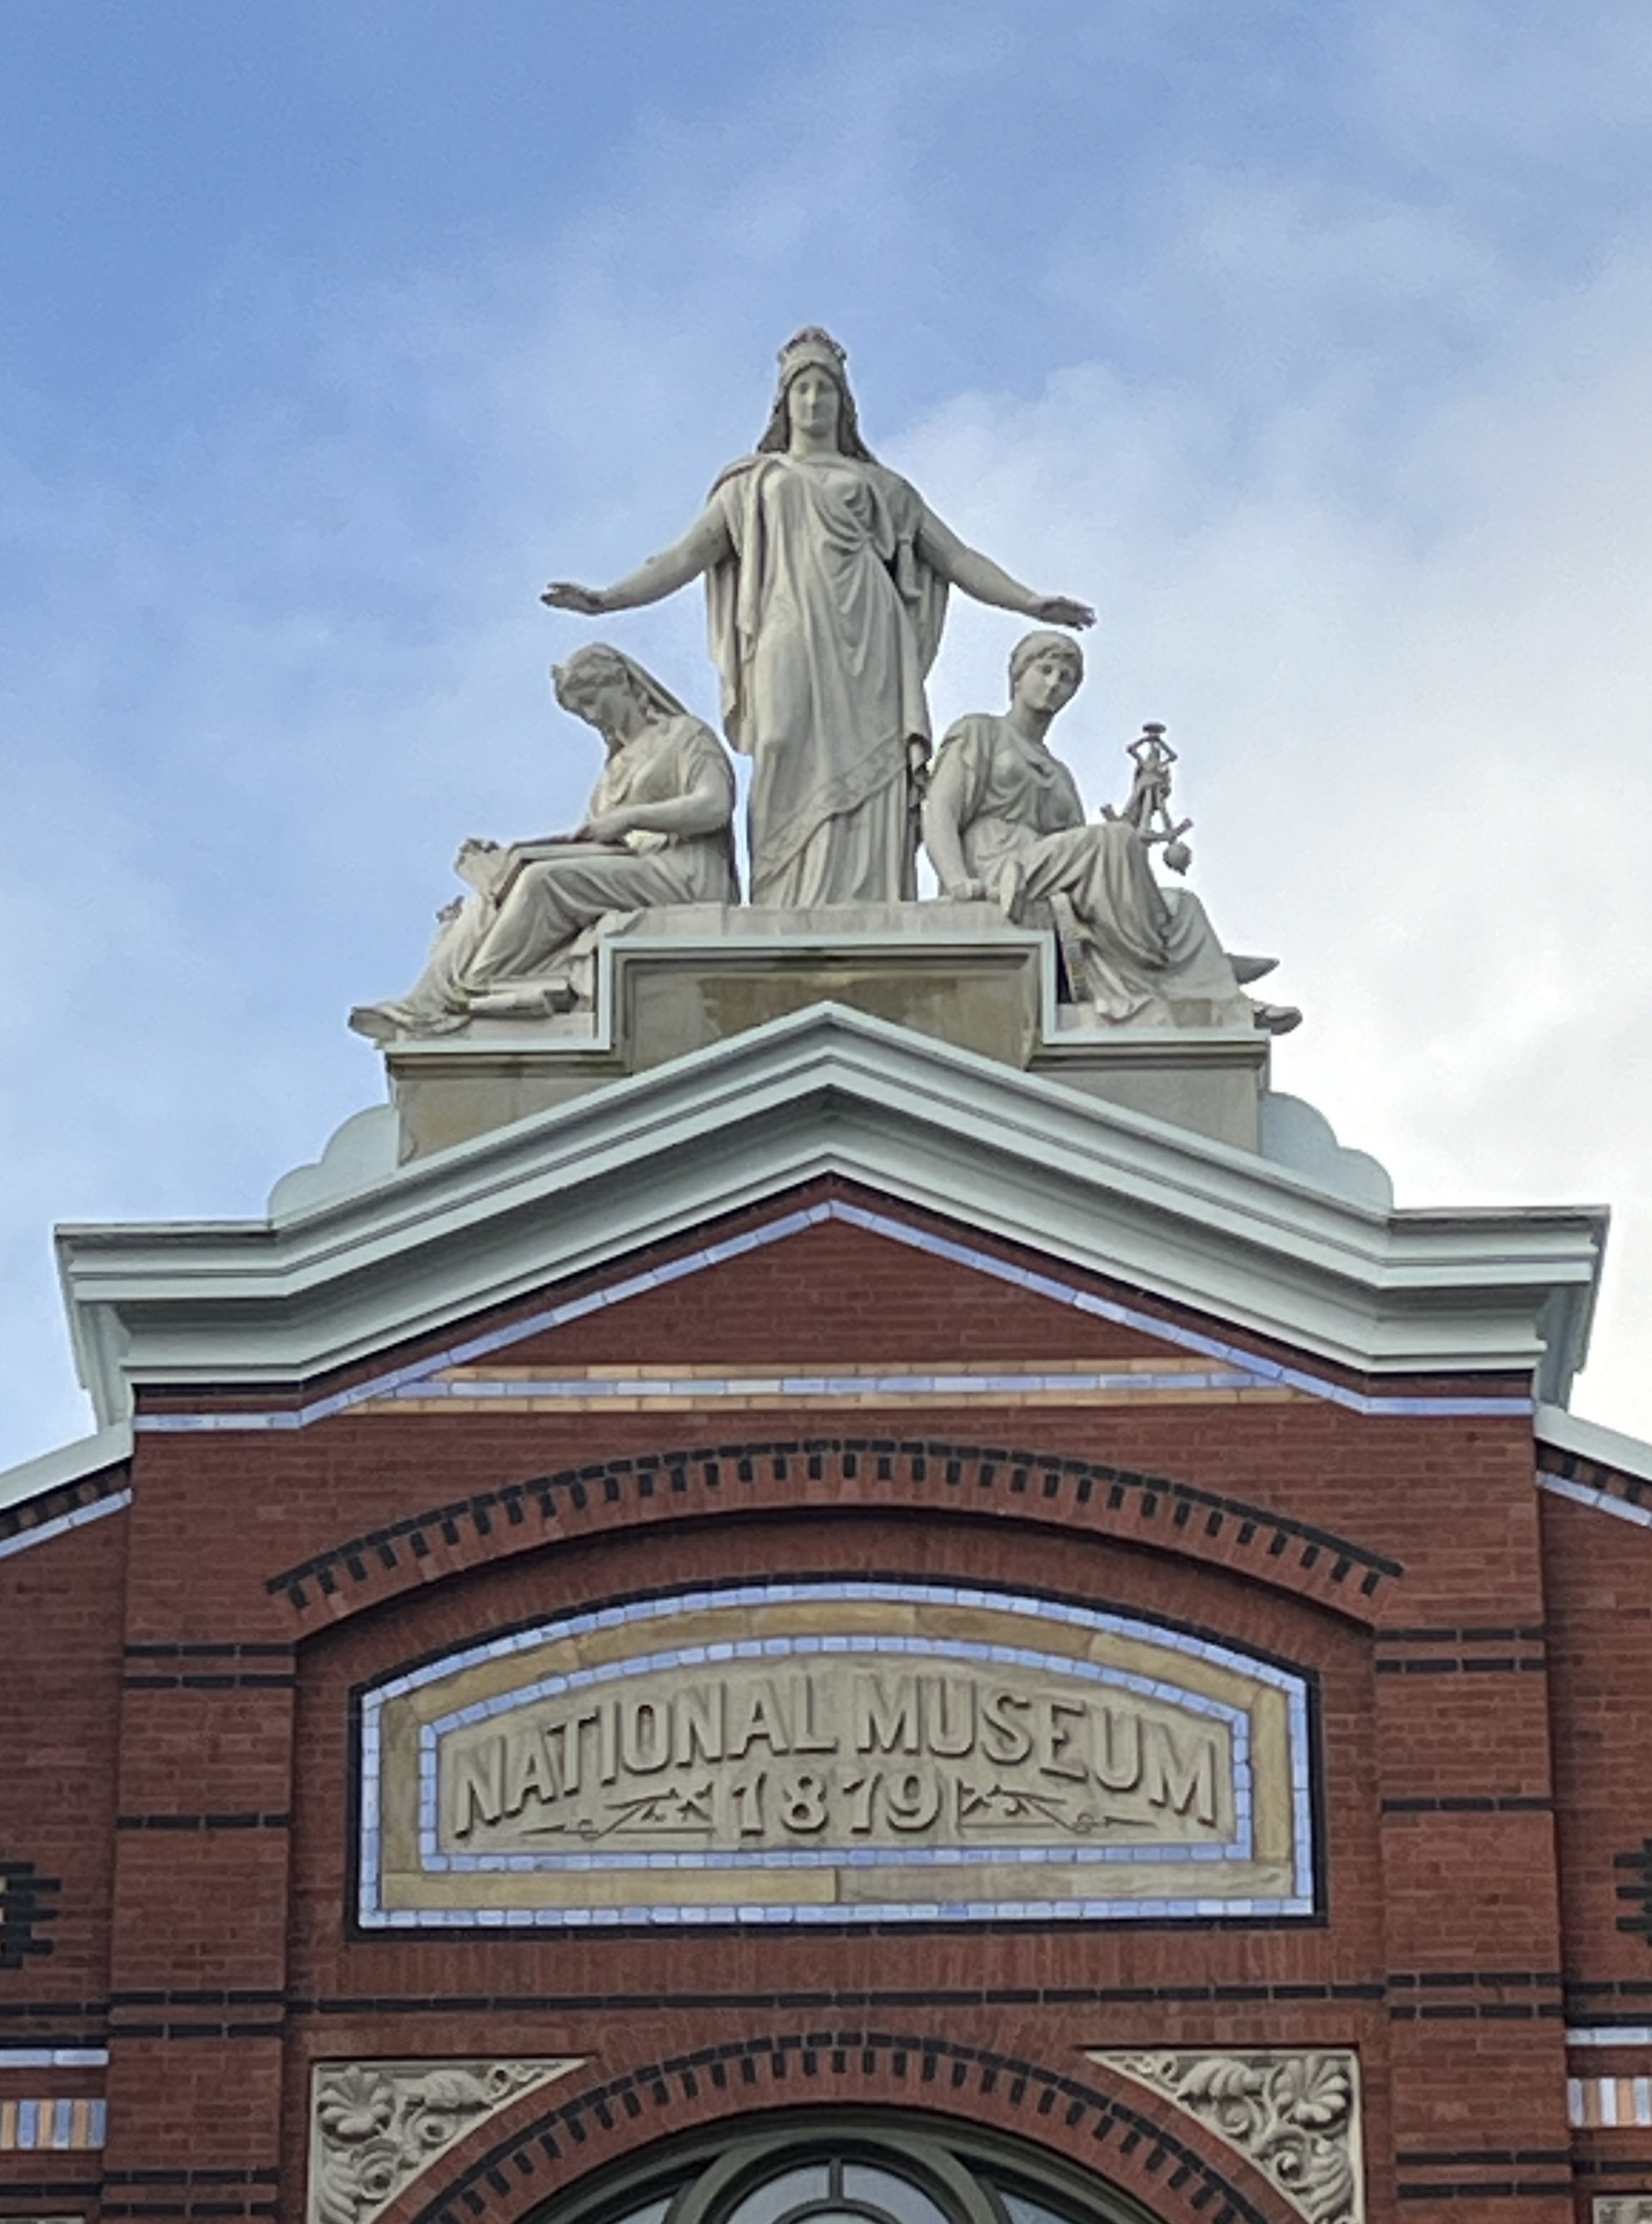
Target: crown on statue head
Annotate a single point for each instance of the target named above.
(812, 346)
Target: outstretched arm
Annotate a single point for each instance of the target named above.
(976, 575)
(701, 546)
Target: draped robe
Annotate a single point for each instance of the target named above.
(539, 936)
(824, 621)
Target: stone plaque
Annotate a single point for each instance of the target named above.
(831, 1752)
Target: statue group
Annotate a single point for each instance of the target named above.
(827, 578)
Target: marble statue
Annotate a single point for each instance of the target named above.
(659, 829)
(1003, 822)
(826, 577)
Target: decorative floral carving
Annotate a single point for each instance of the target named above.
(376, 2124)
(1623, 2209)
(1295, 2117)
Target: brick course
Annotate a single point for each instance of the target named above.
(175, 1687)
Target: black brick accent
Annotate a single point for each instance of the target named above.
(24, 1897)
(785, 2059)
(1639, 1863)
(1104, 1490)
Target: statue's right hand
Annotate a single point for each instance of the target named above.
(1063, 610)
(569, 595)
(968, 892)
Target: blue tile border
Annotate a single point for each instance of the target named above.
(116, 1502)
(1255, 1371)
(1600, 1501)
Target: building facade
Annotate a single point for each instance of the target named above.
(841, 1624)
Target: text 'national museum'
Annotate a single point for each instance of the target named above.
(835, 1572)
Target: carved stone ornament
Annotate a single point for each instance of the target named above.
(1622, 2208)
(375, 2126)
(1295, 2117)
(835, 1752)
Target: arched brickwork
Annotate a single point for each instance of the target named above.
(1159, 2157)
(1049, 1489)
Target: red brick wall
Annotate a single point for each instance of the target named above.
(211, 1922)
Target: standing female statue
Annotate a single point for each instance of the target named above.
(826, 582)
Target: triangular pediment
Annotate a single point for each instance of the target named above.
(1017, 1169)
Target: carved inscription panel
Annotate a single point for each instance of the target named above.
(827, 1751)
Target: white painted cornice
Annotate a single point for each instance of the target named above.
(828, 1091)
(68, 1463)
(1563, 1431)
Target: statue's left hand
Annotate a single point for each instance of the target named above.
(1062, 610)
(569, 595)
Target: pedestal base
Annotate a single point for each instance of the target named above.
(680, 980)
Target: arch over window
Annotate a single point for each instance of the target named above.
(843, 2166)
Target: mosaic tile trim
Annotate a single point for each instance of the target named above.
(115, 1503)
(1257, 1372)
(373, 1915)
(53, 2057)
(1602, 2103)
(52, 2126)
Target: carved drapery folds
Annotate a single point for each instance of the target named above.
(376, 2126)
(1293, 2116)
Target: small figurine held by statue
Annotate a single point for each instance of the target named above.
(1148, 809)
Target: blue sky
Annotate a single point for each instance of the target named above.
(1310, 342)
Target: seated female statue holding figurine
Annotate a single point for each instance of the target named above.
(1003, 822)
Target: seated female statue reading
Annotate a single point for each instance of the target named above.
(1003, 822)
(659, 830)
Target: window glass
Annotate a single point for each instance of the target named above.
(1024, 2210)
(775, 2196)
(897, 2197)
(866, 2175)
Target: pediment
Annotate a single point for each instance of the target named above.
(1075, 1189)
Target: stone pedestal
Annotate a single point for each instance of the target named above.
(681, 980)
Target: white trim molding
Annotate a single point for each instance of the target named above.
(1087, 1185)
(70, 1463)
(1569, 1433)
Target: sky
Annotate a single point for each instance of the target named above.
(1311, 343)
